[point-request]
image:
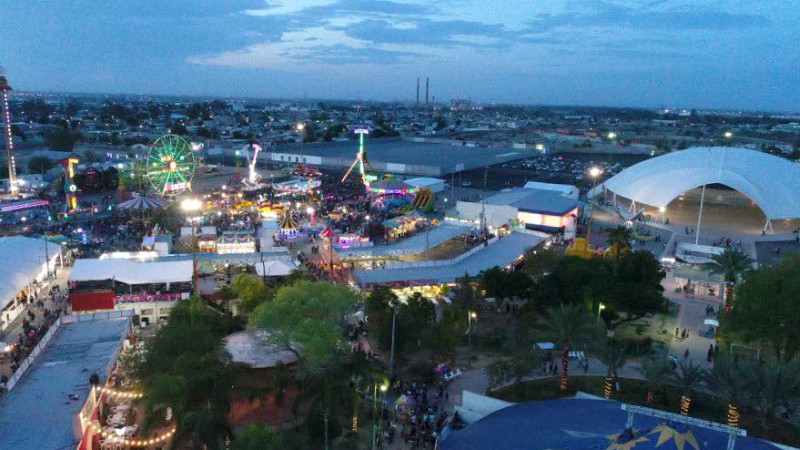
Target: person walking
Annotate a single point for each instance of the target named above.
(686, 354)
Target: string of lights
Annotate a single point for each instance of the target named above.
(121, 394)
(114, 438)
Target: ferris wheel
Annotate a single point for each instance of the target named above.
(170, 165)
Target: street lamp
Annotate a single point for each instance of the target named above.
(191, 205)
(728, 135)
(471, 317)
(383, 388)
(300, 128)
(594, 172)
(600, 309)
(612, 135)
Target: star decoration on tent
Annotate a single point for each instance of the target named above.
(626, 440)
(678, 433)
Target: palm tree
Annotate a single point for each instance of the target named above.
(731, 264)
(619, 239)
(733, 381)
(613, 357)
(689, 377)
(657, 372)
(568, 325)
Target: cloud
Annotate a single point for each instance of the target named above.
(424, 32)
(653, 16)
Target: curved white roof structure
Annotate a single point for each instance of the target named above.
(771, 182)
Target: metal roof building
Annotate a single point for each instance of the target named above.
(41, 411)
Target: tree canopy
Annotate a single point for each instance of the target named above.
(309, 314)
(629, 289)
(183, 369)
(767, 305)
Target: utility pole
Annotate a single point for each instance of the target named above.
(391, 351)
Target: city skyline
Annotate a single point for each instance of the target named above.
(708, 55)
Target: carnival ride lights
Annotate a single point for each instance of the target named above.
(361, 160)
(5, 88)
(170, 165)
(70, 188)
(252, 175)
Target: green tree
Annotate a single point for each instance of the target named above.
(62, 140)
(379, 307)
(689, 377)
(465, 298)
(568, 326)
(257, 436)
(183, 370)
(658, 372)
(251, 292)
(731, 264)
(766, 309)
(501, 284)
(309, 314)
(619, 239)
(637, 290)
(613, 357)
(734, 381)
(541, 261)
(40, 164)
(778, 385)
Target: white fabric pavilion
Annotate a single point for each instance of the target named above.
(23, 259)
(773, 183)
(132, 271)
(275, 268)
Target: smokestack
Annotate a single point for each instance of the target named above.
(418, 90)
(427, 86)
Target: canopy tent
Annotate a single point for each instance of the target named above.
(132, 271)
(23, 260)
(288, 227)
(143, 203)
(769, 181)
(390, 187)
(275, 268)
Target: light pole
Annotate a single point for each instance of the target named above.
(191, 205)
(472, 316)
(595, 173)
(300, 130)
(383, 389)
(391, 350)
(600, 309)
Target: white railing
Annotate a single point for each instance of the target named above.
(439, 262)
(37, 350)
(40, 346)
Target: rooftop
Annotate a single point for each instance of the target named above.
(534, 201)
(40, 401)
(500, 254)
(403, 156)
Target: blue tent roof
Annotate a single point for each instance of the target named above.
(585, 424)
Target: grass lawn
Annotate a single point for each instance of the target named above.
(704, 406)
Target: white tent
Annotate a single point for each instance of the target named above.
(132, 271)
(275, 268)
(769, 181)
(567, 190)
(23, 260)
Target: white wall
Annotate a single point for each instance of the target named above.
(496, 215)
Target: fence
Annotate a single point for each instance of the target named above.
(438, 263)
(42, 344)
(32, 356)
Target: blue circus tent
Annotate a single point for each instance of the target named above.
(578, 424)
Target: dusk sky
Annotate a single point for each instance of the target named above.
(676, 53)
